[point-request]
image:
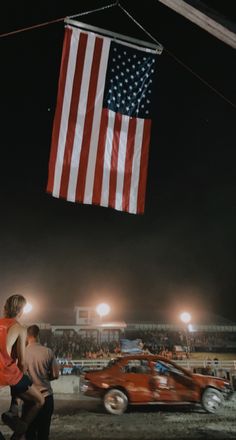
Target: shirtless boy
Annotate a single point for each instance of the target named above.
(12, 366)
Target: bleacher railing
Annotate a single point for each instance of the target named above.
(186, 363)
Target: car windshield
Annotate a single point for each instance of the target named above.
(162, 366)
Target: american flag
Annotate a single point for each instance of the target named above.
(102, 123)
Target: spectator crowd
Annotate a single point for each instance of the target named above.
(172, 344)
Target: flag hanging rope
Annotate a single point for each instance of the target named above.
(34, 26)
(127, 38)
(80, 14)
(184, 65)
(203, 81)
(46, 23)
(139, 25)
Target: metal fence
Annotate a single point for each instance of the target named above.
(186, 363)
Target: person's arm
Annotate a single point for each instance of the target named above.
(54, 371)
(20, 348)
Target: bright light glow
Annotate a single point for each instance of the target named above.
(103, 309)
(115, 324)
(185, 317)
(190, 328)
(28, 307)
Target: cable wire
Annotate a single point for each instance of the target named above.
(95, 10)
(178, 60)
(138, 24)
(117, 3)
(46, 23)
(200, 78)
(29, 28)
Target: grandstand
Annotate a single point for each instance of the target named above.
(91, 334)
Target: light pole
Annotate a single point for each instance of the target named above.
(186, 318)
(102, 310)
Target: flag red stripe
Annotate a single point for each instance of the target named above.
(143, 166)
(59, 106)
(98, 175)
(80, 188)
(111, 163)
(114, 160)
(129, 163)
(73, 114)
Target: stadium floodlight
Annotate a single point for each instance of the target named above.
(103, 309)
(185, 317)
(28, 307)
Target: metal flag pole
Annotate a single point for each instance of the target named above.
(157, 48)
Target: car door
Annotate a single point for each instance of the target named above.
(136, 379)
(185, 387)
(173, 384)
(162, 384)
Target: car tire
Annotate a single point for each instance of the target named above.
(115, 401)
(212, 400)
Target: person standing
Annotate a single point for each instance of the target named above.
(12, 367)
(42, 368)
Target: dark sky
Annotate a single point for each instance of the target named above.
(181, 253)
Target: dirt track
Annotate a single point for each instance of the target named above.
(86, 420)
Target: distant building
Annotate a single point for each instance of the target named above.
(86, 316)
(90, 325)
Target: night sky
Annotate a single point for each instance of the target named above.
(181, 253)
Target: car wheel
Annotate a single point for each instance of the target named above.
(115, 401)
(212, 400)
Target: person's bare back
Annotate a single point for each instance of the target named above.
(12, 366)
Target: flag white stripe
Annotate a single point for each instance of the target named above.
(121, 161)
(95, 118)
(82, 106)
(107, 159)
(88, 194)
(65, 113)
(136, 166)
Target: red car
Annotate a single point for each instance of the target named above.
(151, 379)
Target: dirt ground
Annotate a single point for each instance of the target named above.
(85, 419)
